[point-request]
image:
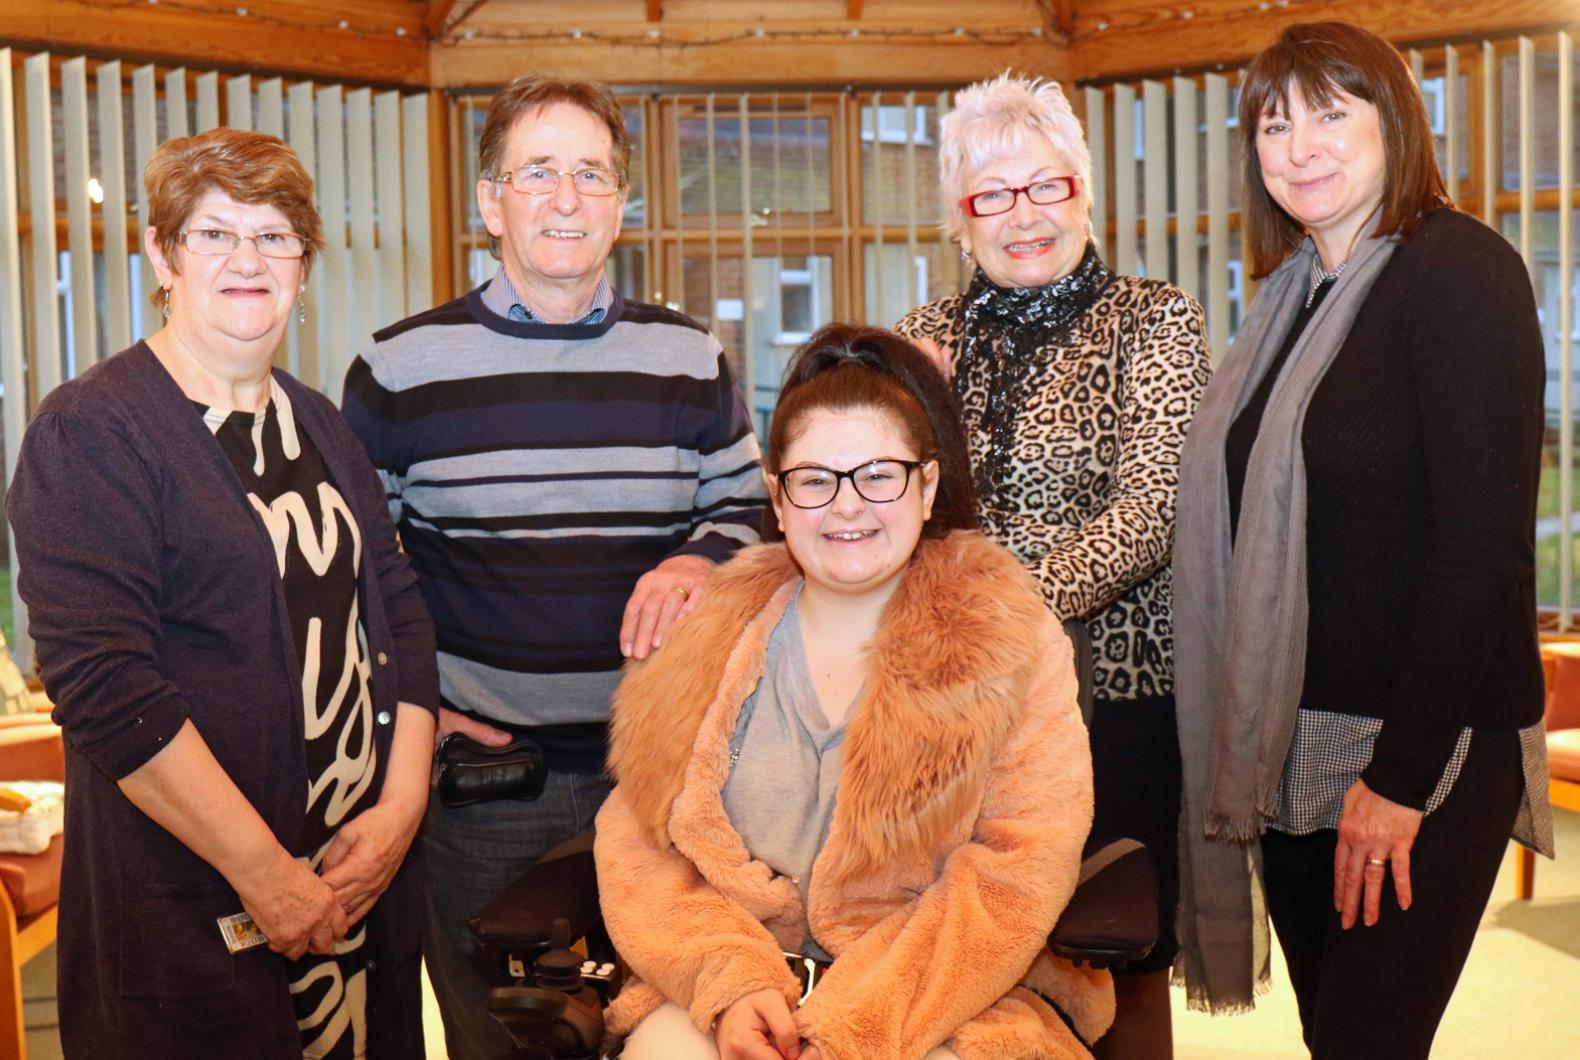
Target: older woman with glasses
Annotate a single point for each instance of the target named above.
(1076, 386)
(237, 652)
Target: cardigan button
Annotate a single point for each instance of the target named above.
(384, 660)
(384, 717)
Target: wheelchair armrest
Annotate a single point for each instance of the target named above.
(1112, 919)
(563, 883)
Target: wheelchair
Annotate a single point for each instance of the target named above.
(553, 1007)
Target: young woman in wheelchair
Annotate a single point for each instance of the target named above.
(863, 748)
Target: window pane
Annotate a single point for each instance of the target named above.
(1544, 121)
(1548, 283)
(636, 201)
(789, 167)
(894, 278)
(887, 196)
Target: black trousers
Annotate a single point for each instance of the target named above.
(1380, 991)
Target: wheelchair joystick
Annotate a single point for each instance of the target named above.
(559, 1017)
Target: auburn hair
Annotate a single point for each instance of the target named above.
(846, 367)
(1319, 60)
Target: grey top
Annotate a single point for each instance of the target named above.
(785, 764)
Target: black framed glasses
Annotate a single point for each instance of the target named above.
(545, 180)
(217, 242)
(1002, 200)
(876, 481)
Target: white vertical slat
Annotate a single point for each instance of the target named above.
(1451, 121)
(363, 303)
(1186, 268)
(207, 101)
(1217, 92)
(1417, 66)
(303, 355)
(1491, 139)
(419, 230)
(271, 109)
(711, 121)
(41, 204)
(112, 176)
(79, 213)
(176, 103)
(1527, 140)
(1155, 176)
(13, 351)
(1566, 323)
(391, 222)
(335, 312)
(877, 198)
(1124, 258)
(238, 102)
(145, 135)
(1096, 140)
(748, 367)
(916, 296)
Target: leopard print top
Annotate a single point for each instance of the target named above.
(1089, 507)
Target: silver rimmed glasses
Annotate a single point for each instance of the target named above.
(217, 242)
(543, 180)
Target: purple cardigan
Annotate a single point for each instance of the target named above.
(154, 598)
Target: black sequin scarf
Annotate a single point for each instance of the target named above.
(1008, 336)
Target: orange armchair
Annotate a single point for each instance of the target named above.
(30, 749)
(1561, 665)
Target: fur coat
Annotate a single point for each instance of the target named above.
(963, 805)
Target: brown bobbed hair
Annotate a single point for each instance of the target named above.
(1317, 59)
(251, 167)
(847, 367)
(533, 92)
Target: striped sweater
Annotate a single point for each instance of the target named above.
(535, 472)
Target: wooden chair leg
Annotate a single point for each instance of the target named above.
(1524, 872)
(13, 1034)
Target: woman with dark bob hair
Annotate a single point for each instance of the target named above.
(1360, 696)
(238, 653)
(863, 748)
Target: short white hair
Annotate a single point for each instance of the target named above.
(992, 120)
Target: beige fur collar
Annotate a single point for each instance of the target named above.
(955, 650)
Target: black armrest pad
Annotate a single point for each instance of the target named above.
(1113, 916)
(563, 884)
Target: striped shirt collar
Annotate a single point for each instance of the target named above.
(1320, 276)
(502, 298)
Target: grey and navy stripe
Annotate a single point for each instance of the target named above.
(536, 471)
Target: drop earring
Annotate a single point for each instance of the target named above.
(166, 307)
(965, 255)
(301, 305)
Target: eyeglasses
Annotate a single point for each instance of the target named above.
(1002, 200)
(877, 481)
(216, 242)
(541, 180)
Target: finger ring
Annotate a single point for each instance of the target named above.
(1379, 862)
(681, 589)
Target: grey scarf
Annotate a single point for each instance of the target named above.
(1240, 622)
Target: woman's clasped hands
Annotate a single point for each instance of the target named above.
(759, 1026)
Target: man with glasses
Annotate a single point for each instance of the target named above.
(565, 468)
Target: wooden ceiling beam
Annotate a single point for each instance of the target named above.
(438, 14)
(655, 10)
(482, 63)
(224, 40)
(1116, 39)
(853, 10)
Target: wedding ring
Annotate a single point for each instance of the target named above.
(1379, 862)
(682, 590)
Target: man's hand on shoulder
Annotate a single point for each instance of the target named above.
(669, 591)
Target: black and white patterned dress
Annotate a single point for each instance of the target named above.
(318, 547)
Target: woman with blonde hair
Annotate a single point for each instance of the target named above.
(1076, 385)
(238, 653)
